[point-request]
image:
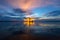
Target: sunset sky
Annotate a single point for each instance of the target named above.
(37, 7)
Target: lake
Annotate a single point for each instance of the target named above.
(29, 30)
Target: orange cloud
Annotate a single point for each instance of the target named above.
(29, 4)
(25, 4)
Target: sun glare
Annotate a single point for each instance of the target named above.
(29, 21)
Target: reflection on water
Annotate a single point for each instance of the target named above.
(46, 28)
(30, 28)
(49, 24)
(35, 27)
(29, 22)
(42, 28)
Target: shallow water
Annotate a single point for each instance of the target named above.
(36, 30)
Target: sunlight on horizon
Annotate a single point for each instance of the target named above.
(29, 21)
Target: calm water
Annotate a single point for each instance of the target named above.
(37, 29)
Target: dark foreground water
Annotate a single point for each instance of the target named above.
(38, 31)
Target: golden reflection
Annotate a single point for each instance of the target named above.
(44, 25)
(41, 24)
(29, 21)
